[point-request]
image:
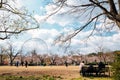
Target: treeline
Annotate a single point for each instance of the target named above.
(35, 59)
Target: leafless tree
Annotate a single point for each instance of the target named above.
(96, 11)
(2, 54)
(111, 56)
(11, 52)
(42, 58)
(53, 58)
(76, 56)
(33, 56)
(102, 53)
(14, 20)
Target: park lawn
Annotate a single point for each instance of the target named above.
(47, 78)
(43, 73)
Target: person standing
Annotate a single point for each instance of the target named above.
(17, 63)
(26, 63)
(66, 64)
(81, 68)
(22, 63)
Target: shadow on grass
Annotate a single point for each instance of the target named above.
(91, 75)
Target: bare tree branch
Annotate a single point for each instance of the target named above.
(119, 5)
(68, 37)
(109, 14)
(85, 5)
(14, 20)
(109, 10)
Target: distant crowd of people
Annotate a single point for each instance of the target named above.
(23, 63)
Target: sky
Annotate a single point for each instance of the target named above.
(57, 24)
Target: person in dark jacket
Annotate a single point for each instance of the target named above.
(26, 63)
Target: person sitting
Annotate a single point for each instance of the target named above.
(90, 69)
(101, 66)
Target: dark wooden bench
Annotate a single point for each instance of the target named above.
(86, 71)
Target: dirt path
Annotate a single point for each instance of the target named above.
(66, 73)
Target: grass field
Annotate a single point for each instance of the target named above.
(43, 73)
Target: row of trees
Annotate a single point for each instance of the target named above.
(11, 55)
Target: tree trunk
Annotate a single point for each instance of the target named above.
(1, 59)
(112, 7)
(118, 24)
(11, 62)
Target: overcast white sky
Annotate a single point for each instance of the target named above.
(56, 24)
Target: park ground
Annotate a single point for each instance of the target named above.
(56, 72)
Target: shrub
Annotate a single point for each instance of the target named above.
(116, 66)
